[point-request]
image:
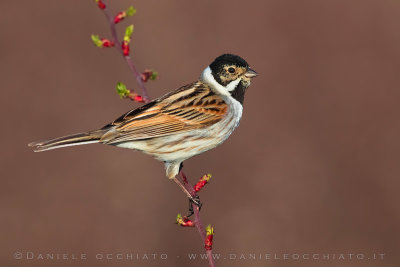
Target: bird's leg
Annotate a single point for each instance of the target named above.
(194, 198)
(183, 188)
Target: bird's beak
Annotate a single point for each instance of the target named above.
(250, 73)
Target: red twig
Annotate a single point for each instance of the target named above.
(118, 45)
(197, 220)
(140, 79)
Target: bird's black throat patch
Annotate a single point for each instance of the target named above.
(239, 91)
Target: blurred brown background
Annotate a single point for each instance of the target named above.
(313, 167)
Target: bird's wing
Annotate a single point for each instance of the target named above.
(190, 107)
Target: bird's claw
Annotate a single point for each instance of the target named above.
(194, 200)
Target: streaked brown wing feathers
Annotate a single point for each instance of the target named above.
(190, 107)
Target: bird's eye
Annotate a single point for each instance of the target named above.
(231, 70)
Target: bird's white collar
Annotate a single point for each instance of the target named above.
(207, 77)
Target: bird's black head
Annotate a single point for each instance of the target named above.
(232, 73)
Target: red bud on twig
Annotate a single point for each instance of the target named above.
(149, 75)
(184, 221)
(100, 4)
(209, 237)
(123, 14)
(101, 42)
(125, 48)
(135, 97)
(139, 99)
(127, 40)
(202, 182)
(123, 92)
(120, 16)
(106, 42)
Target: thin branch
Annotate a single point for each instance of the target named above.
(197, 220)
(187, 185)
(118, 45)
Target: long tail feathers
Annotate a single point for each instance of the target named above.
(70, 140)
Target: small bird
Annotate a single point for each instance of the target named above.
(181, 124)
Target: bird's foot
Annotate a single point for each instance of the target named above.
(194, 200)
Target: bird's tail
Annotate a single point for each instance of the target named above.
(70, 140)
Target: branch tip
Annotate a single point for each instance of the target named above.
(123, 14)
(208, 242)
(202, 182)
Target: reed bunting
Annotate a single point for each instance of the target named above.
(181, 124)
